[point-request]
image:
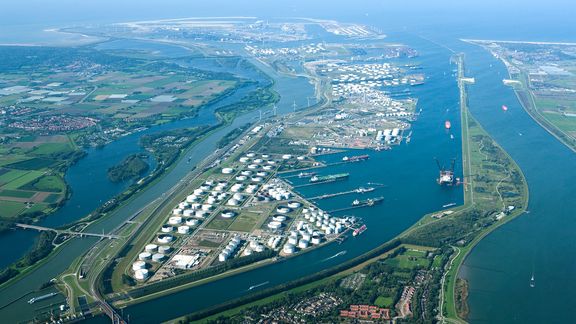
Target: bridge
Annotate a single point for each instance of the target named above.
(42, 228)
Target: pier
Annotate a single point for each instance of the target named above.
(359, 190)
(41, 228)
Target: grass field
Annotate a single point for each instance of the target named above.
(385, 302)
(245, 222)
(22, 180)
(51, 148)
(16, 193)
(11, 175)
(219, 223)
(10, 209)
(410, 259)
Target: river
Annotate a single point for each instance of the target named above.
(499, 268)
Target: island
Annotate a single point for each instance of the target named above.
(131, 167)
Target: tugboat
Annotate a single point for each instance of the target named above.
(355, 158)
(364, 190)
(367, 202)
(306, 174)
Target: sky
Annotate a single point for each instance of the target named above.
(548, 15)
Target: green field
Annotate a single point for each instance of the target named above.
(16, 193)
(10, 209)
(409, 260)
(49, 183)
(24, 179)
(11, 175)
(51, 148)
(385, 302)
(219, 223)
(245, 222)
(32, 164)
(52, 198)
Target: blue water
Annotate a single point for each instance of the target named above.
(499, 268)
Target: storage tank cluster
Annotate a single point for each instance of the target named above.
(254, 246)
(229, 249)
(322, 220)
(140, 271)
(275, 191)
(274, 241)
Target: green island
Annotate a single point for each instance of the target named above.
(129, 168)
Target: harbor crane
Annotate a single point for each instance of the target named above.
(446, 177)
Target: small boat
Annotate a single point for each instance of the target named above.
(504, 107)
(306, 174)
(532, 282)
(449, 205)
(355, 158)
(364, 190)
(39, 298)
(447, 124)
(367, 202)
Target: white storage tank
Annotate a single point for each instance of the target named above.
(138, 265)
(316, 239)
(184, 229)
(175, 220)
(259, 248)
(165, 238)
(158, 257)
(274, 225)
(232, 202)
(241, 178)
(289, 248)
(192, 222)
(247, 251)
(294, 204)
(167, 229)
(184, 205)
(164, 249)
(144, 256)
(228, 214)
(177, 211)
(303, 244)
(222, 257)
(251, 155)
(196, 206)
(227, 170)
(151, 248)
(293, 240)
(244, 159)
(141, 274)
(188, 212)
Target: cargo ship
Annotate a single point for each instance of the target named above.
(359, 230)
(356, 158)
(329, 178)
(367, 202)
(39, 298)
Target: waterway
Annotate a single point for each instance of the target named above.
(87, 195)
(538, 243)
(408, 171)
(498, 269)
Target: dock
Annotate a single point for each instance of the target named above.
(317, 183)
(41, 228)
(342, 193)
